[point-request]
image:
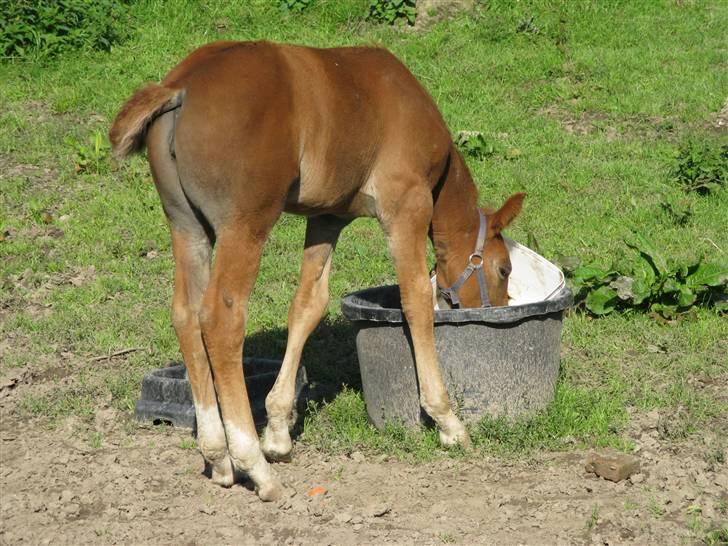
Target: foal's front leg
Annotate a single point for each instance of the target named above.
(406, 224)
(304, 315)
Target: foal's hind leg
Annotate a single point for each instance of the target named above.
(304, 315)
(192, 256)
(191, 246)
(223, 317)
(406, 220)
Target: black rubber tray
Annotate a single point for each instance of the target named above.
(167, 396)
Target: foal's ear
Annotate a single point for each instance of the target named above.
(501, 218)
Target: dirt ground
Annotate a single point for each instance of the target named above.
(144, 485)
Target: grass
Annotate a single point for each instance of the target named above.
(597, 98)
(593, 518)
(717, 536)
(187, 443)
(96, 440)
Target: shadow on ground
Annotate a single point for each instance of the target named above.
(329, 358)
(329, 355)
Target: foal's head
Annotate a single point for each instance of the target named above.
(496, 261)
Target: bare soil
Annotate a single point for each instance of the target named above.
(109, 480)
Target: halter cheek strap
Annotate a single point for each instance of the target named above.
(475, 265)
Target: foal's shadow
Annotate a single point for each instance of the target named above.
(329, 358)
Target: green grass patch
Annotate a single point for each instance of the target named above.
(78, 400)
(603, 112)
(342, 426)
(576, 417)
(717, 536)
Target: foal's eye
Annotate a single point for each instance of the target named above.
(503, 272)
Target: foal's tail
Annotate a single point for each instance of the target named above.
(129, 131)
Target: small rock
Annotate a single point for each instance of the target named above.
(37, 505)
(701, 480)
(539, 515)
(343, 517)
(637, 478)
(377, 510)
(612, 465)
(72, 510)
(652, 419)
(86, 499)
(110, 459)
(357, 456)
(149, 246)
(316, 509)
(168, 456)
(63, 459)
(66, 496)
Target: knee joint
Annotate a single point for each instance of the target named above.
(213, 315)
(181, 315)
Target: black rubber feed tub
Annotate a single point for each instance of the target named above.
(498, 361)
(167, 396)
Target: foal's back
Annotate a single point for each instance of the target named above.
(321, 127)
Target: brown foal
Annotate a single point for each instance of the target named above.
(236, 134)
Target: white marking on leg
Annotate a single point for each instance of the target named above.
(247, 456)
(452, 430)
(213, 445)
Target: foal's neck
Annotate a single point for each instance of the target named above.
(455, 219)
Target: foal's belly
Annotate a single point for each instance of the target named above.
(331, 191)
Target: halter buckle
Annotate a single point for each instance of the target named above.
(477, 256)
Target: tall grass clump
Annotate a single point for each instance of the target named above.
(46, 28)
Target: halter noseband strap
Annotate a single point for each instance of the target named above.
(475, 265)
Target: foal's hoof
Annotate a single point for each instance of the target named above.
(270, 492)
(459, 436)
(277, 447)
(222, 473)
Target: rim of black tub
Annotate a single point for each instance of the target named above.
(382, 304)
